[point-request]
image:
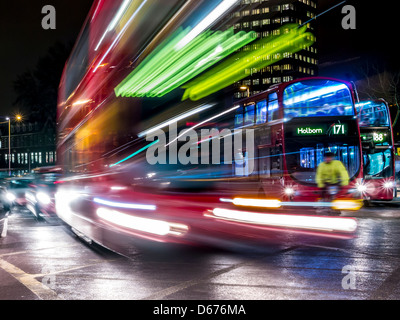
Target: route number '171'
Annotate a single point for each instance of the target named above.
(339, 129)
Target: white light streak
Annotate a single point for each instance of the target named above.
(118, 37)
(265, 203)
(206, 22)
(114, 22)
(157, 227)
(330, 224)
(124, 205)
(175, 119)
(201, 123)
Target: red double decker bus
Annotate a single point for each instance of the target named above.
(296, 123)
(378, 151)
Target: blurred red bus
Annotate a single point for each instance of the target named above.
(109, 184)
(378, 150)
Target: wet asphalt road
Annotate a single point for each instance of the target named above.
(46, 261)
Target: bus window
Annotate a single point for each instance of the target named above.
(261, 113)
(249, 115)
(239, 118)
(381, 116)
(378, 165)
(307, 158)
(302, 162)
(372, 114)
(320, 153)
(273, 107)
(316, 98)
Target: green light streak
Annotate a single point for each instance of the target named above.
(233, 69)
(167, 67)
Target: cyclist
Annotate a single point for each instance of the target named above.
(331, 172)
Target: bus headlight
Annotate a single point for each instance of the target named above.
(361, 188)
(388, 185)
(289, 191)
(43, 198)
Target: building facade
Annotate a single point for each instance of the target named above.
(266, 17)
(33, 145)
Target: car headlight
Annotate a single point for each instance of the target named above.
(43, 198)
(10, 196)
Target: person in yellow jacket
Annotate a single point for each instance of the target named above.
(331, 172)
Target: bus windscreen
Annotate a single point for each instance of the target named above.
(317, 98)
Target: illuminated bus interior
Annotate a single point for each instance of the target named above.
(306, 143)
(371, 114)
(378, 165)
(317, 98)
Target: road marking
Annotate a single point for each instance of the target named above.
(5, 228)
(171, 290)
(39, 289)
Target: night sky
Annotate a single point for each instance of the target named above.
(24, 41)
(374, 39)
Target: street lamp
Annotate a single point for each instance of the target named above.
(18, 118)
